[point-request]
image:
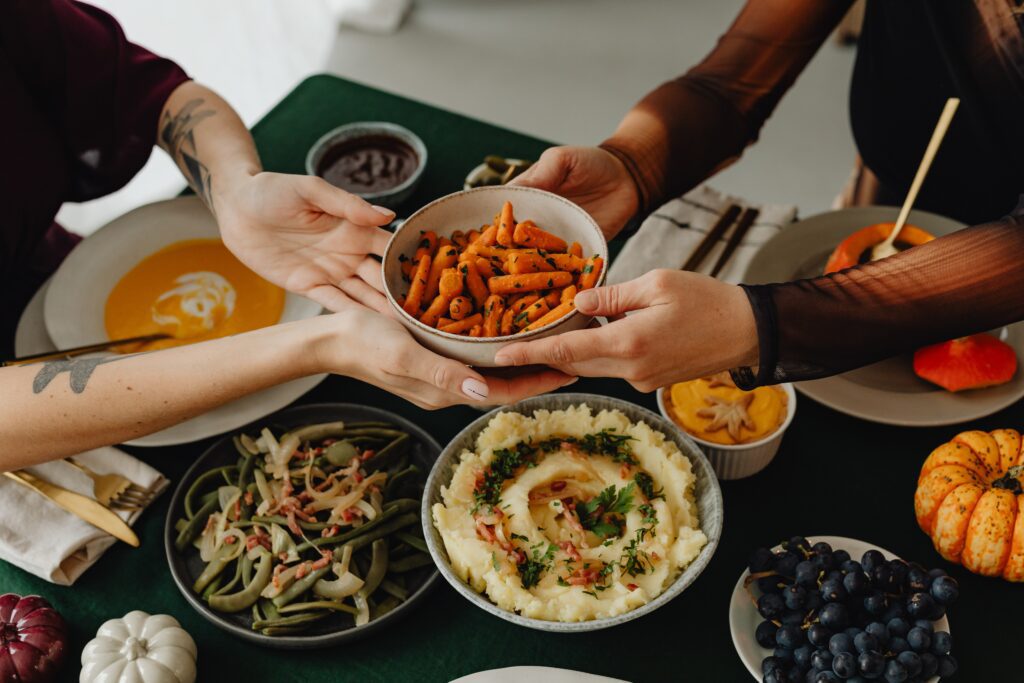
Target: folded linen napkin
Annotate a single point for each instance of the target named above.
(55, 545)
(670, 234)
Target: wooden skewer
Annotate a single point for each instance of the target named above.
(737, 235)
(711, 239)
(80, 350)
(886, 248)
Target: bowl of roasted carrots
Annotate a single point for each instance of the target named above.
(476, 270)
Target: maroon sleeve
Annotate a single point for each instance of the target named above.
(102, 94)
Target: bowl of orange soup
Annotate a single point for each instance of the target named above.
(161, 269)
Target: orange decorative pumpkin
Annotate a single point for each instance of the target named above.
(850, 250)
(970, 501)
(973, 362)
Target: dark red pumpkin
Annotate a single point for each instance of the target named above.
(973, 362)
(32, 639)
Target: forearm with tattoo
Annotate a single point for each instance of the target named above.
(177, 138)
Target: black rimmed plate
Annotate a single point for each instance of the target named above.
(337, 628)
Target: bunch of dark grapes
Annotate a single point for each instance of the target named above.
(830, 618)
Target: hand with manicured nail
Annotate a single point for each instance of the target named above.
(377, 349)
(680, 326)
(305, 235)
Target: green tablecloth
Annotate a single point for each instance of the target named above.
(834, 475)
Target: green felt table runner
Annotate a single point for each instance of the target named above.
(834, 475)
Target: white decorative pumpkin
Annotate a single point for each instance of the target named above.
(140, 648)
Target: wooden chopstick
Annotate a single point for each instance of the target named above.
(746, 220)
(711, 239)
(79, 350)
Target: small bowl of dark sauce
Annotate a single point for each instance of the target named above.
(381, 162)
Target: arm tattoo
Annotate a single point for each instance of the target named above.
(80, 370)
(176, 137)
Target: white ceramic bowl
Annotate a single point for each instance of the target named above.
(739, 460)
(468, 210)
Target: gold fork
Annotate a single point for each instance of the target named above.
(115, 491)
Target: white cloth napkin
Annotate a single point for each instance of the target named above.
(55, 545)
(670, 234)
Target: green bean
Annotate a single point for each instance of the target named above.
(315, 432)
(268, 608)
(277, 519)
(379, 432)
(294, 620)
(386, 514)
(378, 568)
(211, 588)
(245, 471)
(402, 504)
(385, 456)
(360, 425)
(407, 564)
(392, 588)
(413, 540)
(401, 479)
(228, 481)
(299, 587)
(247, 597)
(230, 585)
(335, 605)
(256, 616)
(212, 570)
(180, 525)
(246, 571)
(384, 530)
(195, 525)
(340, 453)
(366, 440)
(387, 604)
(198, 484)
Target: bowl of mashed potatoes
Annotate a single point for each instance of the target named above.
(571, 512)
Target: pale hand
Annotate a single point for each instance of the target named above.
(590, 177)
(682, 326)
(377, 349)
(303, 234)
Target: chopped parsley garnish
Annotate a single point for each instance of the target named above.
(495, 563)
(504, 465)
(588, 269)
(645, 483)
(604, 513)
(532, 567)
(562, 582)
(634, 560)
(650, 515)
(591, 593)
(520, 537)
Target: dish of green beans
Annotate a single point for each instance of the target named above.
(304, 529)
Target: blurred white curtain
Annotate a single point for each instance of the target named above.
(252, 52)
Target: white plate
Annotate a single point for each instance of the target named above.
(148, 228)
(743, 616)
(887, 392)
(534, 674)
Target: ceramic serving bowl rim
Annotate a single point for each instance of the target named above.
(293, 642)
(440, 475)
(357, 129)
(787, 388)
(455, 196)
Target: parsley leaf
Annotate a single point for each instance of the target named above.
(603, 514)
(645, 483)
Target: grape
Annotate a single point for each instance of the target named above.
(825, 562)
(789, 636)
(898, 644)
(852, 631)
(833, 591)
(947, 666)
(855, 583)
(825, 677)
(879, 631)
(917, 579)
(834, 616)
(806, 574)
(783, 654)
(833, 574)
(777, 676)
(945, 590)
(844, 664)
(785, 562)
(881, 577)
(871, 664)
(899, 569)
(929, 665)
(802, 656)
(911, 661)
(894, 610)
(794, 616)
(864, 641)
(814, 601)
(765, 634)
(795, 597)
(920, 605)
(840, 557)
(770, 584)
(926, 624)
(818, 635)
(919, 639)
(840, 642)
(898, 627)
(797, 542)
(871, 559)
(760, 560)
(938, 611)
(821, 548)
(851, 566)
(770, 664)
(895, 672)
(875, 603)
(821, 660)
(942, 643)
(770, 606)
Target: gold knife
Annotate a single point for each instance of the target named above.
(81, 506)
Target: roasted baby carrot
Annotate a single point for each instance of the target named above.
(497, 251)
(506, 225)
(511, 284)
(472, 236)
(553, 298)
(488, 268)
(447, 256)
(459, 239)
(460, 307)
(568, 294)
(494, 308)
(475, 284)
(537, 309)
(414, 298)
(427, 245)
(476, 331)
(506, 322)
(591, 271)
(407, 267)
(464, 325)
(441, 322)
(527, 234)
(437, 308)
(489, 237)
(517, 263)
(573, 264)
(576, 249)
(519, 304)
(551, 316)
(451, 283)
